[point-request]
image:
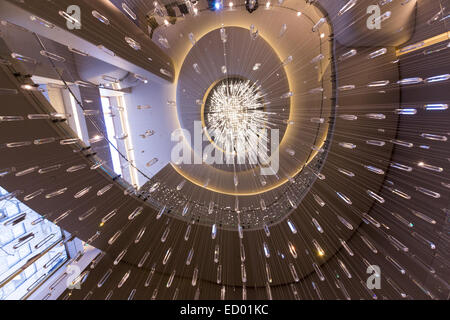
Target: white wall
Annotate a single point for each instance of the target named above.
(161, 118)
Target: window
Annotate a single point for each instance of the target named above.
(23, 235)
(111, 132)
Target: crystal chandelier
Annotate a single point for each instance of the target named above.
(235, 114)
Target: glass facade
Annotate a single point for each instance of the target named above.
(24, 235)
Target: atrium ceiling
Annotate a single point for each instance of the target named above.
(361, 113)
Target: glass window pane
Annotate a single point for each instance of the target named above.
(13, 256)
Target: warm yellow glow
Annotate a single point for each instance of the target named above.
(231, 193)
(423, 44)
(177, 66)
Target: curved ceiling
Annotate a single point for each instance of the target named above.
(286, 70)
(241, 54)
(380, 195)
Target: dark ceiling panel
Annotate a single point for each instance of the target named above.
(111, 36)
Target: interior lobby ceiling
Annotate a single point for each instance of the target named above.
(303, 130)
(363, 122)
